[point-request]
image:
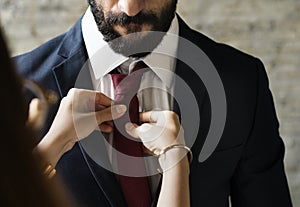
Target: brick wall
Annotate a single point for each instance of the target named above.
(269, 29)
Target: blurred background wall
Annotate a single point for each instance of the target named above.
(269, 29)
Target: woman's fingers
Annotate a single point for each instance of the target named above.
(105, 128)
(97, 108)
(37, 113)
(159, 117)
(149, 116)
(93, 100)
(34, 110)
(145, 116)
(146, 132)
(110, 113)
(101, 99)
(131, 129)
(110, 123)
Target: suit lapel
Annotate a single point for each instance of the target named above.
(190, 91)
(66, 73)
(74, 72)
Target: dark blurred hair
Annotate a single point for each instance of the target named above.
(22, 180)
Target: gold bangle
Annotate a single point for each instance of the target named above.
(189, 154)
(49, 171)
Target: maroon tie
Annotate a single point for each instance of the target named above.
(135, 189)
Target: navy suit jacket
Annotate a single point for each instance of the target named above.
(247, 164)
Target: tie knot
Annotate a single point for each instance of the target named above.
(139, 66)
(129, 84)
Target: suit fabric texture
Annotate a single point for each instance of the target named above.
(247, 164)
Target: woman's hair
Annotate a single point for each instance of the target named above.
(22, 180)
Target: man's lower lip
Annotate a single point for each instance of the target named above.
(131, 24)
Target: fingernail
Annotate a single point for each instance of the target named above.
(129, 126)
(121, 109)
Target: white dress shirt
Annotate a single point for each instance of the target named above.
(157, 83)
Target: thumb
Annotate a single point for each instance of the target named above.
(131, 129)
(146, 132)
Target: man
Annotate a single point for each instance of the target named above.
(247, 164)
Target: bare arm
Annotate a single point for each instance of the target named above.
(175, 185)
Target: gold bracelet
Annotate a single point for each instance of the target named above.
(49, 171)
(190, 153)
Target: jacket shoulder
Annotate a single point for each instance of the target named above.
(234, 66)
(50, 54)
(44, 55)
(222, 52)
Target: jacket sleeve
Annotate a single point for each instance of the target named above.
(259, 179)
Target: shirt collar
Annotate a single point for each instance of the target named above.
(103, 59)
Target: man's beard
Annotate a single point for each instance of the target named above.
(136, 43)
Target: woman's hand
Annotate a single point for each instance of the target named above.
(160, 130)
(82, 111)
(163, 129)
(79, 114)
